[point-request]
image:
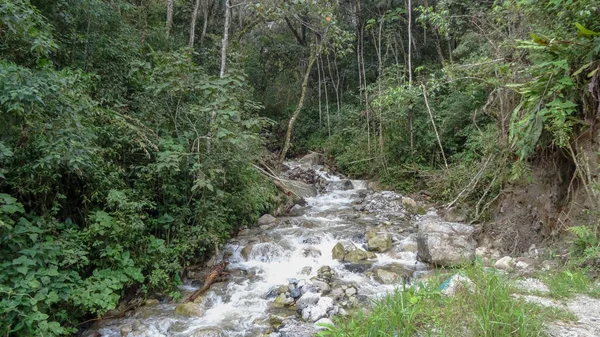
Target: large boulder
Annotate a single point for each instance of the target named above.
(311, 159)
(379, 242)
(318, 311)
(342, 248)
(189, 309)
(386, 277)
(356, 256)
(445, 243)
(266, 220)
(303, 190)
(348, 252)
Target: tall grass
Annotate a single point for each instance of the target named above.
(489, 309)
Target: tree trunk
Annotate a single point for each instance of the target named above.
(225, 40)
(288, 134)
(410, 44)
(193, 24)
(169, 16)
(206, 13)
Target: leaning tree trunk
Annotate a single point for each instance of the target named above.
(288, 134)
(206, 11)
(169, 16)
(193, 24)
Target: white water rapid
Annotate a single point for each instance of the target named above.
(274, 266)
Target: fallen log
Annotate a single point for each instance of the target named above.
(211, 278)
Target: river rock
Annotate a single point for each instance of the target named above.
(311, 252)
(189, 309)
(306, 270)
(445, 243)
(342, 248)
(505, 263)
(311, 159)
(386, 277)
(266, 220)
(320, 286)
(318, 311)
(296, 210)
(356, 256)
(282, 300)
(246, 252)
(125, 331)
(307, 300)
(351, 291)
(303, 190)
(325, 273)
(380, 242)
(321, 324)
(410, 205)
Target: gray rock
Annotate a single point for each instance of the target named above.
(351, 291)
(296, 210)
(506, 263)
(189, 309)
(337, 293)
(320, 286)
(246, 252)
(303, 190)
(306, 270)
(356, 256)
(311, 159)
(342, 248)
(282, 301)
(445, 243)
(125, 331)
(386, 277)
(311, 252)
(380, 242)
(325, 273)
(323, 321)
(266, 220)
(318, 311)
(410, 205)
(307, 300)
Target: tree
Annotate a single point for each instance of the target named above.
(169, 23)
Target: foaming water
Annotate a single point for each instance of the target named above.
(284, 254)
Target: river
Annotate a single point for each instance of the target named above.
(283, 276)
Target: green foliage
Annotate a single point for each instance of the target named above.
(120, 164)
(585, 247)
(567, 282)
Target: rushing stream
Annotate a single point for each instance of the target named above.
(283, 277)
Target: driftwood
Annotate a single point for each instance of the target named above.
(215, 274)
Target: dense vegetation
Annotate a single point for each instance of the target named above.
(131, 129)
